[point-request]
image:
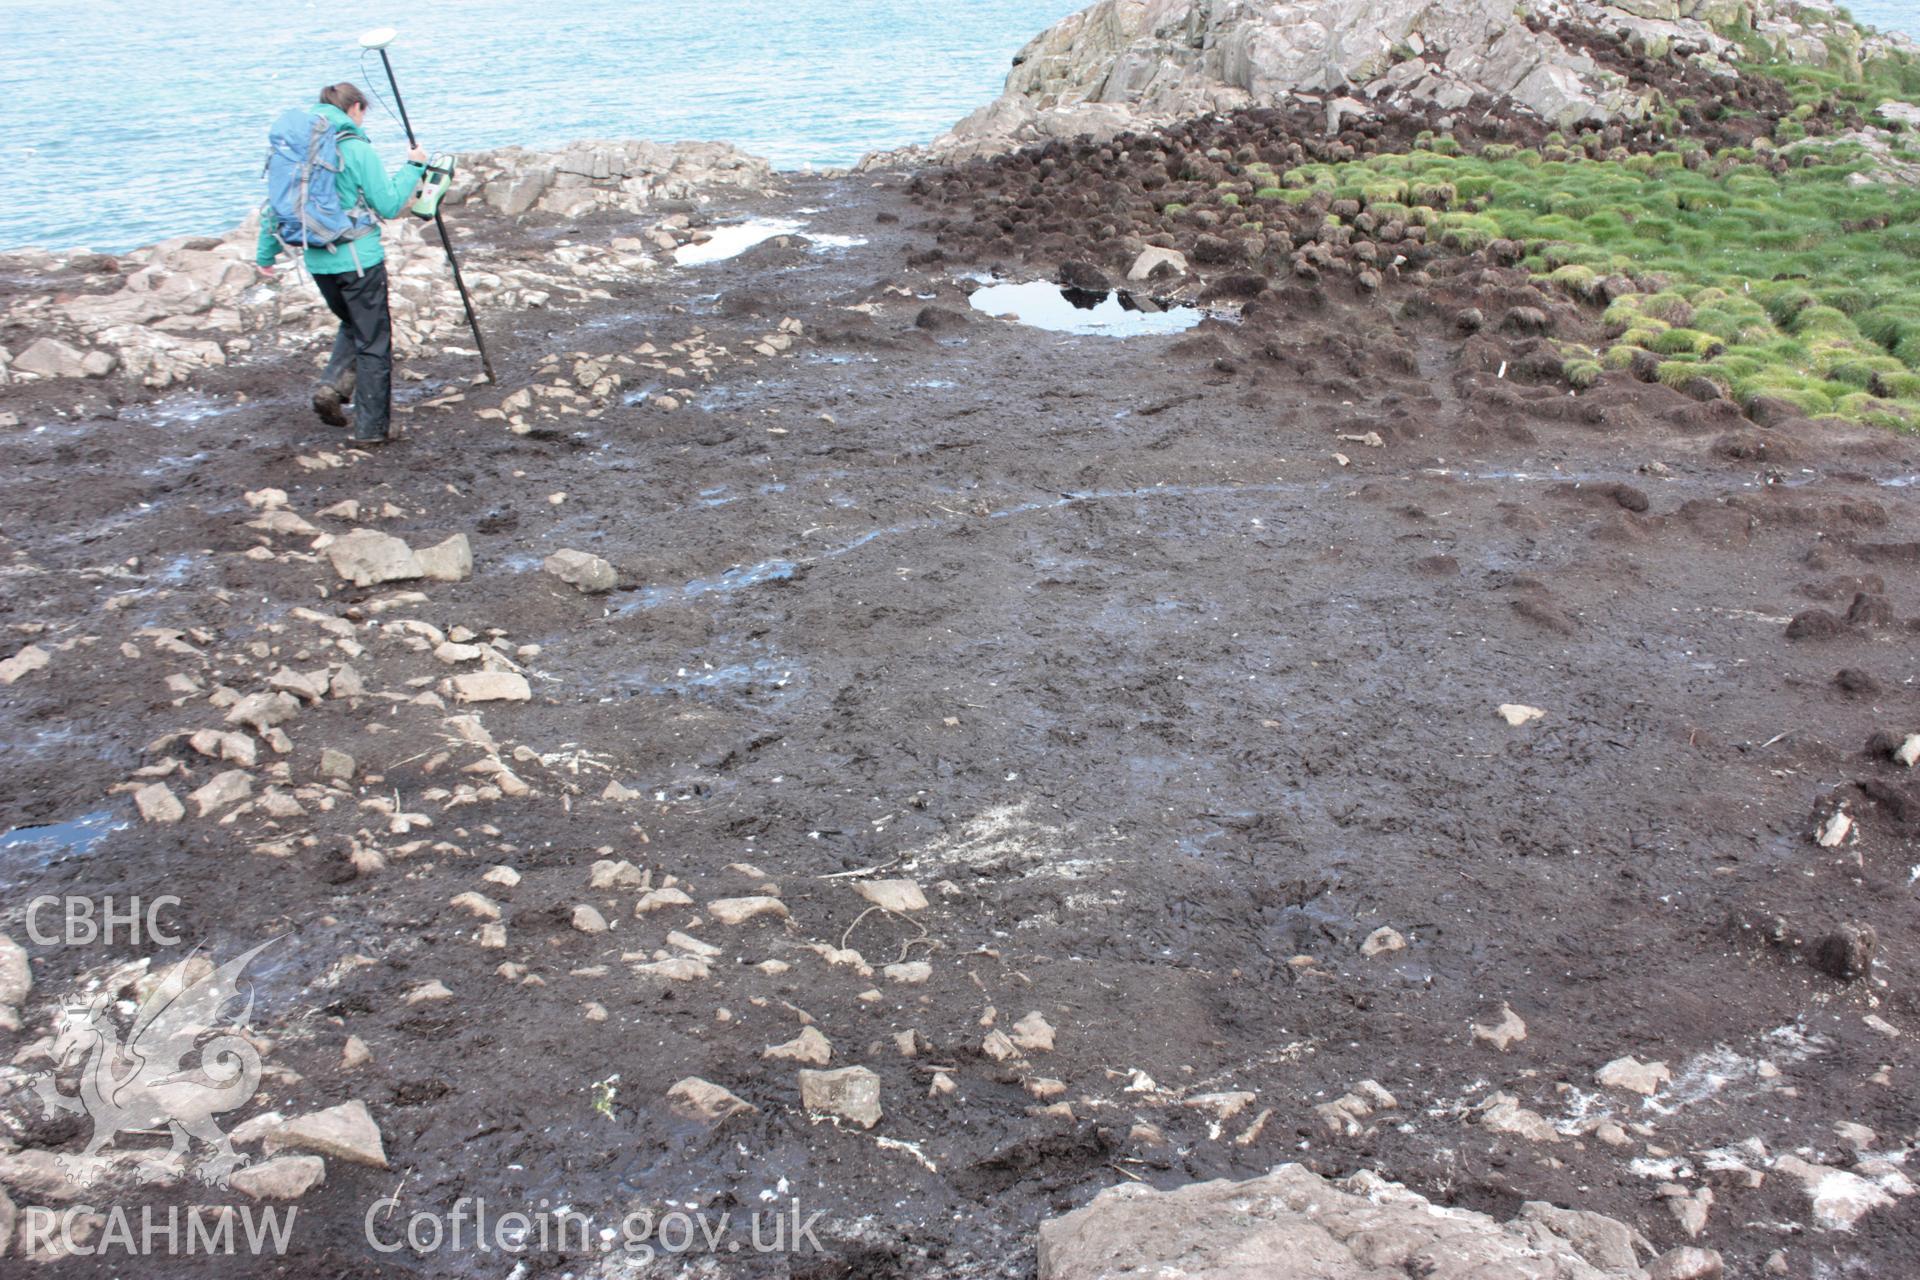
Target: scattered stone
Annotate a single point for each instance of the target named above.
(1033, 1033)
(741, 910)
(368, 557)
(449, 561)
(853, 1093)
(157, 803)
(16, 976)
(659, 899)
(587, 919)
(1836, 828)
(1685, 1263)
(1840, 1197)
(1157, 262)
(1518, 713)
(892, 895)
(282, 1178)
(697, 1099)
(355, 1054)
(337, 764)
(910, 973)
(809, 1047)
(488, 686)
(505, 877)
(30, 659)
(346, 1132)
(608, 874)
(1502, 1113)
(676, 968)
(582, 570)
(999, 1047)
(262, 711)
(692, 945)
(1381, 942)
(1506, 1033)
(427, 992)
(222, 791)
(1908, 752)
(477, 905)
(1631, 1074)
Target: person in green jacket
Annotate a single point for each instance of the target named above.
(353, 276)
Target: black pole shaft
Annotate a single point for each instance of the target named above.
(440, 224)
(446, 242)
(398, 100)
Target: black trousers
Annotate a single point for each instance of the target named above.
(364, 344)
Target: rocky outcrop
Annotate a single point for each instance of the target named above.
(194, 303)
(1124, 64)
(1294, 1223)
(632, 176)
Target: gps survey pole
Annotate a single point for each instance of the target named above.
(380, 38)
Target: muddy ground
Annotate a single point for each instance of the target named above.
(1167, 695)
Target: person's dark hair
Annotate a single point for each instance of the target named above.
(345, 96)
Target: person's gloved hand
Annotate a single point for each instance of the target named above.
(417, 156)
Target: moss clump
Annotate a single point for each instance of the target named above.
(1797, 284)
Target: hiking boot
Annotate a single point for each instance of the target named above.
(326, 404)
(368, 439)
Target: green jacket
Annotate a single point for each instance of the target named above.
(362, 182)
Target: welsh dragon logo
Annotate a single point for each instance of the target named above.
(145, 1084)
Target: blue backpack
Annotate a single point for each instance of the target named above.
(303, 191)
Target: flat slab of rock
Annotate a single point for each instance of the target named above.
(282, 1178)
(1292, 1222)
(1633, 1075)
(488, 686)
(222, 791)
(892, 895)
(368, 557)
(346, 1132)
(852, 1093)
(582, 570)
(741, 910)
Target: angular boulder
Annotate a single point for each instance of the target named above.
(582, 570)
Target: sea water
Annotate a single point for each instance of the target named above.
(123, 122)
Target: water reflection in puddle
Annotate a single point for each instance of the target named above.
(1112, 314)
(25, 851)
(736, 238)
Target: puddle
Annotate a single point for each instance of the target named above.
(761, 681)
(734, 239)
(1112, 314)
(28, 850)
(734, 579)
